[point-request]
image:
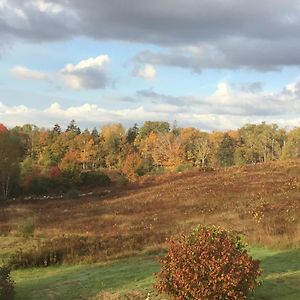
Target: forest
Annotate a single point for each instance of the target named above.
(39, 161)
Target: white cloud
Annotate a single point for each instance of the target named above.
(226, 108)
(23, 72)
(86, 115)
(47, 6)
(88, 74)
(148, 72)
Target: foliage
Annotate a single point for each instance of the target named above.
(209, 263)
(136, 151)
(94, 178)
(226, 151)
(199, 149)
(9, 163)
(291, 148)
(40, 185)
(132, 166)
(7, 291)
(155, 127)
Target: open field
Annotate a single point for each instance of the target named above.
(260, 201)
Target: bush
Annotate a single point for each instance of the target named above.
(94, 179)
(75, 249)
(72, 194)
(209, 263)
(6, 284)
(183, 167)
(39, 185)
(26, 230)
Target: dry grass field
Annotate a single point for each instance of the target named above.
(261, 201)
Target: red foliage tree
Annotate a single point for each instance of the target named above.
(3, 128)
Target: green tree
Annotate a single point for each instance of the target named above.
(154, 126)
(226, 151)
(73, 127)
(260, 143)
(132, 133)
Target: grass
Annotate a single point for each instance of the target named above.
(281, 278)
(82, 281)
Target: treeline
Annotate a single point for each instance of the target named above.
(29, 153)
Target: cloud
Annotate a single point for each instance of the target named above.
(262, 35)
(250, 102)
(252, 87)
(211, 34)
(147, 72)
(37, 20)
(88, 74)
(86, 115)
(226, 108)
(23, 72)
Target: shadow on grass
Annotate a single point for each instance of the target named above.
(281, 276)
(80, 282)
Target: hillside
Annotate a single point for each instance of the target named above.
(260, 201)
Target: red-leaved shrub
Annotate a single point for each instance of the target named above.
(210, 263)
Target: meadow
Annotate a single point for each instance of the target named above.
(260, 201)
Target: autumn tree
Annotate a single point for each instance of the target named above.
(9, 163)
(291, 148)
(132, 166)
(199, 148)
(70, 165)
(87, 149)
(168, 151)
(112, 136)
(259, 143)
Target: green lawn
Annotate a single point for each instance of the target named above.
(281, 278)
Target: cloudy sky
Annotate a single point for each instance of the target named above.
(212, 64)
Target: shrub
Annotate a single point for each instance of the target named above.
(210, 263)
(6, 284)
(73, 194)
(74, 249)
(183, 167)
(37, 184)
(94, 179)
(26, 230)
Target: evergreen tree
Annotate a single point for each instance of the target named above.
(226, 151)
(72, 127)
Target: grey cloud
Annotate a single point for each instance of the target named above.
(252, 101)
(37, 21)
(88, 74)
(259, 34)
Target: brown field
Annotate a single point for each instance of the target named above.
(262, 201)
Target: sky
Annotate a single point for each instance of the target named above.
(209, 64)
